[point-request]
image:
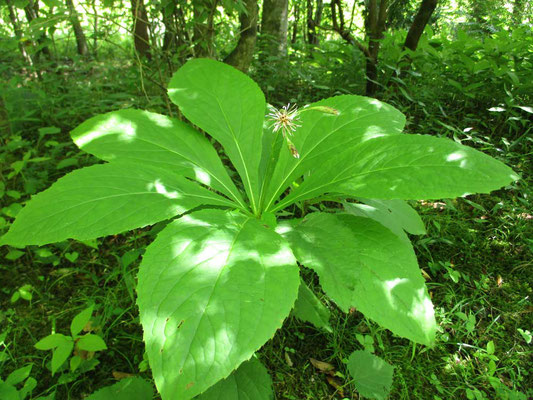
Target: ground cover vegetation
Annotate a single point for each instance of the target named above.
(459, 71)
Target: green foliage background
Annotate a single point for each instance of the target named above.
(469, 80)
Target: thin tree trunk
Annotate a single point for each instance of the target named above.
(170, 36)
(32, 12)
(95, 28)
(419, 23)
(204, 31)
(296, 21)
(274, 25)
(181, 26)
(241, 56)
(314, 18)
(18, 35)
(318, 14)
(140, 28)
(376, 17)
(311, 33)
(81, 41)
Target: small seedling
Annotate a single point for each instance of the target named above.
(8, 388)
(63, 345)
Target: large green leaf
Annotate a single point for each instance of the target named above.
(408, 167)
(230, 107)
(364, 265)
(132, 388)
(106, 199)
(154, 139)
(324, 135)
(213, 288)
(249, 382)
(372, 375)
(8, 392)
(396, 215)
(309, 308)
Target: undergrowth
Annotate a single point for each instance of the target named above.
(476, 256)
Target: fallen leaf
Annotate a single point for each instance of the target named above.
(121, 375)
(336, 384)
(323, 366)
(84, 354)
(288, 360)
(425, 275)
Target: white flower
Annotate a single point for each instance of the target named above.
(284, 119)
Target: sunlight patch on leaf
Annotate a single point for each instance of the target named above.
(372, 133)
(159, 120)
(201, 175)
(110, 126)
(422, 310)
(161, 189)
(209, 296)
(458, 155)
(391, 284)
(367, 267)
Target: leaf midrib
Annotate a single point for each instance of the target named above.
(301, 160)
(208, 168)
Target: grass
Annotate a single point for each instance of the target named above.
(476, 258)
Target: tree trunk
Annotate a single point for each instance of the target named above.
(375, 19)
(375, 24)
(95, 28)
(81, 41)
(311, 33)
(18, 33)
(274, 27)
(32, 12)
(140, 29)
(314, 18)
(170, 36)
(296, 21)
(241, 56)
(419, 23)
(204, 31)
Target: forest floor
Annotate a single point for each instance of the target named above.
(476, 258)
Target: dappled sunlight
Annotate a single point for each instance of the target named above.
(368, 267)
(211, 296)
(354, 110)
(422, 310)
(283, 229)
(190, 94)
(376, 103)
(391, 284)
(160, 120)
(372, 132)
(409, 297)
(160, 188)
(201, 175)
(125, 130)
(155, 140)
(458, 155)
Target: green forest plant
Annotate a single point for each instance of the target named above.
(125, 389)
(222, 276)
(20, 376)
(63, 345)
